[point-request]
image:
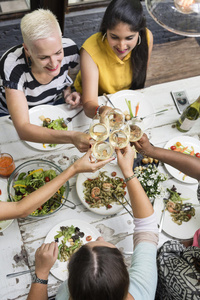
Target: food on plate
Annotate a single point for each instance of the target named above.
(98, 191)
(29, 182)
(57, 124)
(184, 149)
(149, 160)
(71, 241)
(175, 205)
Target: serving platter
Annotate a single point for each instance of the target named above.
(48, 111)
(59, 270)
(82, 177)
(186, 230)
(4, 197)
(186, 141)
(145, 106)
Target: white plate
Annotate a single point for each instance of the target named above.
(59, 270)
(48, 111)
(187, 229)
(4, 197)
(109, 168)
(145, 106)
(185, 141)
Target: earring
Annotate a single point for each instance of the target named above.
(103, 37)
(29, 62)
(139, 40)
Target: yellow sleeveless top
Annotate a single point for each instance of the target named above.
(114, 74)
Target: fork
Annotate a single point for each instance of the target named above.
(154, 113)
(69, 119)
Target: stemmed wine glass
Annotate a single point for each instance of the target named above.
(120, 136)
(99, 128)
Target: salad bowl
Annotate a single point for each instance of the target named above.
(30, 176)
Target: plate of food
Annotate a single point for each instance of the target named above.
(139, 104)
(180, 220)
(95, 190)
(186, 145)
(4, 198)
(70, 235)
(48, 116)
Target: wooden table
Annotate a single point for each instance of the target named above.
(19, 241)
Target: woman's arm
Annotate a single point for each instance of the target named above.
(90, 82)
(18, 108)
(140, 203)
(189, 165)
(45, 258)
(150, 47)
(11, 210)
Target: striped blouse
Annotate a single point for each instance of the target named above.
(15, 74)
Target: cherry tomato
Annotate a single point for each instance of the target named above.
(173, 147)
(124, 185)
(189, 216)
(109, 206)
(121, 179)
(46, 179)
(0, 192)
(124, 193)
(89, 179)
(197, 154)
(40, 208)
(113, 174)
(88, 238)
(178, 144)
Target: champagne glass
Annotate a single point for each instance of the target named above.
(135, 131)
(99, 128)
(119, 138)
(116, 118)
(102, 150)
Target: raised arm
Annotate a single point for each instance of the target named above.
(140, 203)
(90, 83)
(189, 165)
(18, 108)
(11, 210)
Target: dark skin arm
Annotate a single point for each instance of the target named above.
(189, 165)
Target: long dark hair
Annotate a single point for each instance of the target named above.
(130, 12)
(97, 273)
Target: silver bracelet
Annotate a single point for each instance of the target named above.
(129, 178)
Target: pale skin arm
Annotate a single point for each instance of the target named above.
(18, 109)
(189, 165)
(45, 258)
(11, 210)
(140, 203)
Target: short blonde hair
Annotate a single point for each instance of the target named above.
(39, 24)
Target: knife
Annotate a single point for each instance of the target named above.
(108, 99)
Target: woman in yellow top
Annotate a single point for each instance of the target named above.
(115, 58)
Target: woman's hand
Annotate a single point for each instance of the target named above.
(125, 158)
(45, 258)
(74, 99)
(87, 164)
(81, 141)
(143, 146)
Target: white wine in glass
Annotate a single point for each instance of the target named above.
(119, 138)
(135, 133)
(98, 130)
(102, 150)
(116, 118)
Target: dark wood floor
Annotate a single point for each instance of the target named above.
(173, 61)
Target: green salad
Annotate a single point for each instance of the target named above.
(72, 236)
(57, 124)
(29, 182)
